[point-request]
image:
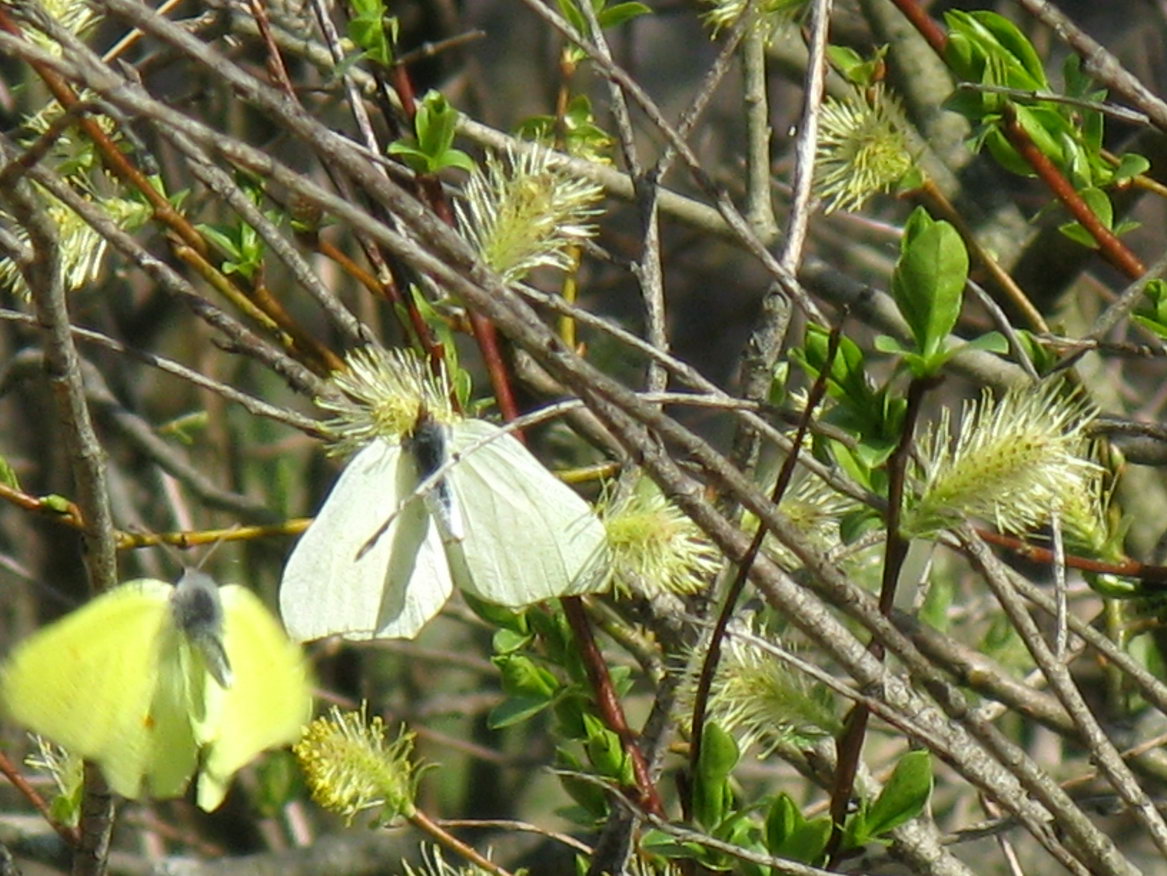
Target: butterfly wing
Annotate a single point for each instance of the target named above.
(336, 581)
(528, 535)
(91, 683)
(267, 702)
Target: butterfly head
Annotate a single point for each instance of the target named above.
(198, 614)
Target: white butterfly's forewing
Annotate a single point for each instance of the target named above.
(337, 582)
(528, 535)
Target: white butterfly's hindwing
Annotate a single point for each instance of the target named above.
(417, 577)
(337, 581)
(529, 536)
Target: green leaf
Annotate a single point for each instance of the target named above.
(570, 10)
(856, 69)
(1010, 38)
(606, 752)
(987, 47)
(522, 677)
(783, 818)
(711, 793)
(1099, 204)
(1152, 312)
(514, 710)
(374, 32)
(928, 281)
(904, 796)
(587, 794)
(719, 753)
(657, 842)
(222, 238)
(8, 475)
(1130, 165)
(55, 502)
(498, 615)
(790, 835)
(888, 344)
(507, 641)
(990, 342)
(430, 150)
(614, 16)
(847, 379)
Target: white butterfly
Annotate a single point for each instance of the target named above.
(497, 524)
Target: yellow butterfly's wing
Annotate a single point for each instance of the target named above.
(528, 536)
(269, 698)
(89, 682)
(341, 580)
(181, 678)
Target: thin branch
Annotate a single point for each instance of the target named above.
(1103, 752)
(1099, 62)
(88, 463)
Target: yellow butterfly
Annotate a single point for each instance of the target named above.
(153, 681)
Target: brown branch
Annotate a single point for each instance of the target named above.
(713, 654)
(1099, 62)
(70, 835)
(114, 158)
(850, 744)
(924, 24)
(608, 703)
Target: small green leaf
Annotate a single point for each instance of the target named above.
(606, 752)
(498, 615)
(54, 502)
(614, 16)
(373, 31)
(507, 641)
(1099, 204)
(856, 69)
(928, 281)
(1130, 165)
(657, 842)
(8, 475)
(904, 796)
(1010, 38)
(719, 752)
(711, 794)
(789, 834)
(522, 677)
(430, 149)
(782, 820)
(1152, 313)
(987, 47)
(888, 344)
(990, 342)
(514, 710)
(587, 794)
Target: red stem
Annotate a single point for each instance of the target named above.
(1112, 249)
(70, 835)
(608, 703)
(925, 24)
